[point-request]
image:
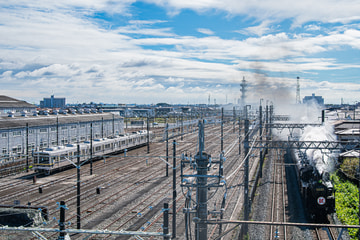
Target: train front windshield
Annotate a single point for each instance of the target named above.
(43, 159)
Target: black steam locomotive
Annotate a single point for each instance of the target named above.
(316, 188)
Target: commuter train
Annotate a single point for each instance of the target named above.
(315, 187)
(62, 157)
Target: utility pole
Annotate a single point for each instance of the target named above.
(167, 147)
(270, 118)
(62, 220)
(222, 130)
(27, 147)
(102, 127)
(182, 126)
(148, 133)
(267, 126)
(174, 191)
(201, 193)
(113, 125)
(166, 220)
(234, 119)
(91, 148)
(260, 133)
(239, 135)
(202, 163)
(57, 130)
(246, 172)
(78, 189)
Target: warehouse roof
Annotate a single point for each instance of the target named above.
(42, 120)
(347, 124)
(8, 102)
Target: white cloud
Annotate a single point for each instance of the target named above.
(259, 30)
(312, 27)
(51, 46)
(205, 31)
(343, 11)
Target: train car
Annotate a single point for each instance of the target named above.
(316, 188)
(58, 158)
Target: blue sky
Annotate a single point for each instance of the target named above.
(173, 51)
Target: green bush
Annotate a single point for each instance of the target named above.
(347, 203)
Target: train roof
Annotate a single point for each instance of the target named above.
(43, 120)
(96, 142)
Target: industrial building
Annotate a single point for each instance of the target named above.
(19, 135)
(53, 102)
(12, 106)
(317, 99)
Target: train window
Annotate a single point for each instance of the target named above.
(43, 130)
(31, 146)
(4, 151)
(107, 146)
(4, 135)
(53, 129)
(43, 159)
(17, 133)
(97, 148)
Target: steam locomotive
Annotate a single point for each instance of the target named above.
(315, 187)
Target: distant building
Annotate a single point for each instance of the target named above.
(318, 99)
(8, 104)
(19, 135)
(53, 102)
(163, 111)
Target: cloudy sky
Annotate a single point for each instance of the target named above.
(175, 51)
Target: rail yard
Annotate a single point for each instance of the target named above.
(131, 194)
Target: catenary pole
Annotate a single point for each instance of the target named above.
(91, 148)
(246, 172)
(78, 190)
(167, 147)
(174, 191)
(222, 130)
(201, 193)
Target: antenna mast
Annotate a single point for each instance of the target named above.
(243, 85)
(298, 91)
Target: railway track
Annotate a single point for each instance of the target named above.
(324, 233)
(141, 188)
(278, 199)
